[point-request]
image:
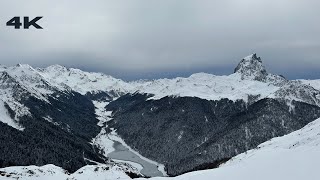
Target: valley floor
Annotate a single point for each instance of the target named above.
(115, 148)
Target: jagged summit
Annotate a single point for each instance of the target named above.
(251, 67)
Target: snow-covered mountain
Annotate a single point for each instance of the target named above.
(250, 79)
(197, 121)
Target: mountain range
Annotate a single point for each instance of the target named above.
(74, 119)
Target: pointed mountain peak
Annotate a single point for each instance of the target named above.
(253, 57)
(251, 68)
(24, 66)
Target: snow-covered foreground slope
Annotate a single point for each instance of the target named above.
(295, 156)
(52, 172)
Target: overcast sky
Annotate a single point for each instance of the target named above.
(133, 39)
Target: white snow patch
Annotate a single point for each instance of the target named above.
(6, 95)
(180, 135)
(83, 82)
(5, 118)
(104, 142)
(133, 164)
(207, 86)
(314, 83)
(100, 173)
(30, 80)
(248, 133)
(102, 115)
(48, 118)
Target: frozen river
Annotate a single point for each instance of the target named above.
(123, 153)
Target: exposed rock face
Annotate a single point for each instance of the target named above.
(251, 67)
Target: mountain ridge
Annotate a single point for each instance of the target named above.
(250, 78)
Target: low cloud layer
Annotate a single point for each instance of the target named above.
(152, 38)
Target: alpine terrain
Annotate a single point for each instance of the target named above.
(60, 123)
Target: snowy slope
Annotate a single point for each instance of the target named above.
(208, 86)
(30, 79)
(51, 172)
(298, 91)
(20, 82)
(314, 83)
(83, 82)
(5, 117)
(11, 93)
(295, 156)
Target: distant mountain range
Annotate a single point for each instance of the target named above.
(67, 117)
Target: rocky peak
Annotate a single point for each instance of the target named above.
(251, 68)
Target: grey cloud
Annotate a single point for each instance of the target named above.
(153, 38)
